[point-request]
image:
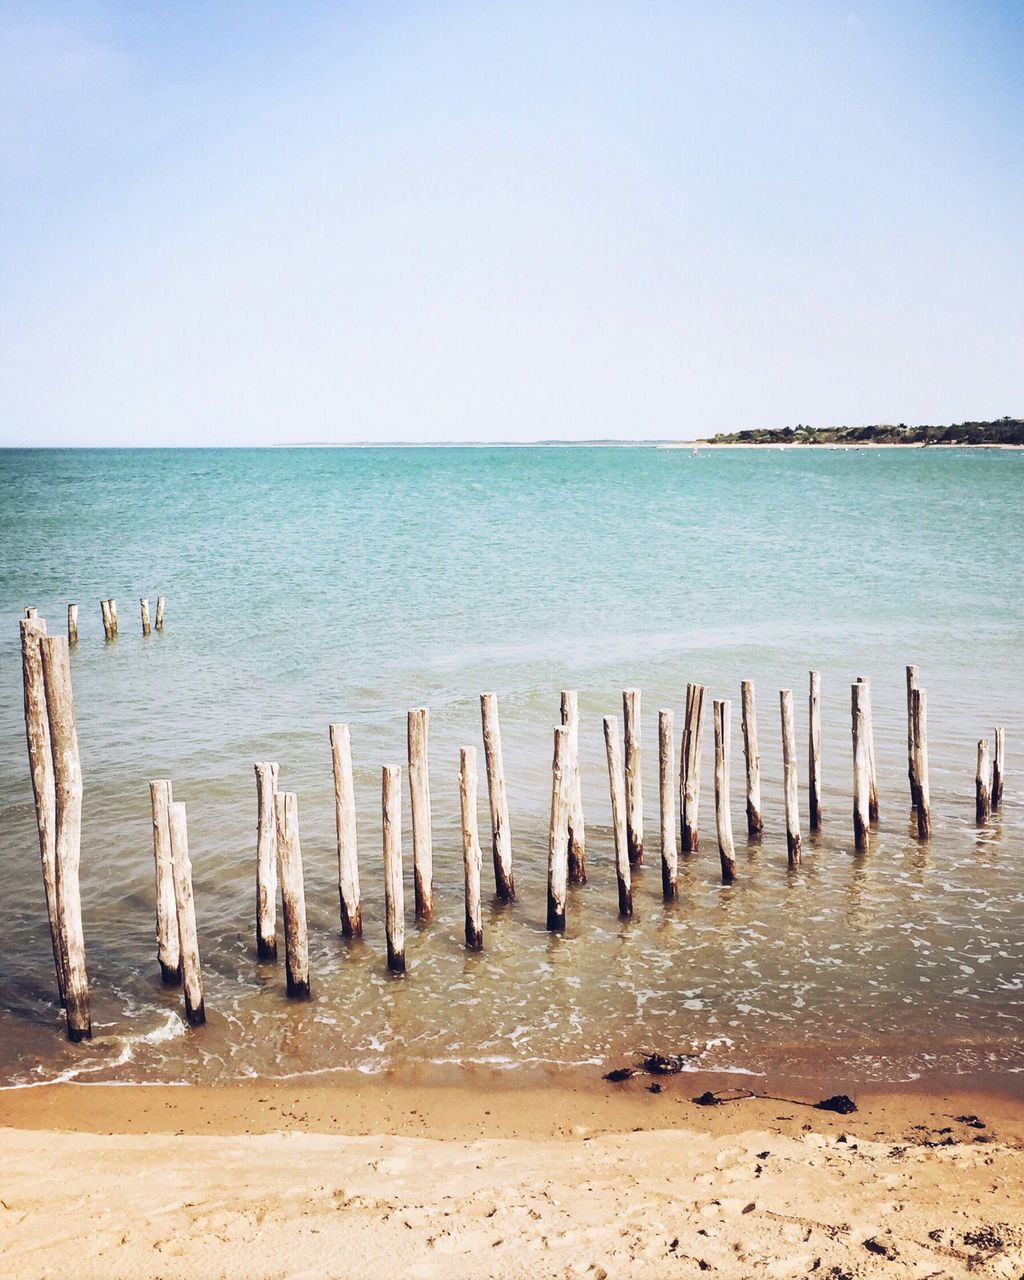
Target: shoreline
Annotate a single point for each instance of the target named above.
(836, 447)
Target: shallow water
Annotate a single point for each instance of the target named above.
(306, 586)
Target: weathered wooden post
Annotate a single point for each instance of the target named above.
(558, 831)
(72, 624)
(168, 944)
(67, 788)
(394, 903)
(912, 678)
(112, 606)
(345, 823)
(40, 761)
(752, 758)
(722, 712)
(419, 801)
(497, 796)
(920, 766)
(689, 765)
(105, 614)
(31, 612)
(293, 893)
(160, 605)
(790, 777)
(144, 611)
(185, 906)
(634, 777)
(998, 767)
(861, 771)
(472, 857)
(983, 784)
(617, 789)
(814, 750)
(266, 861)
(667, 805)
(869, 734)
(570, 712)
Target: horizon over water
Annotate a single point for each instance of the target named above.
(307, 585)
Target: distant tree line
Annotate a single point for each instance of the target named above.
(1002, 431)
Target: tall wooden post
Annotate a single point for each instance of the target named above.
(689, 763)
(558, 831)
(168, 944)
(185, 906)
(419, 801)
(293, 893)
(912, 680)
(869, 734)
(920, 730)
(814, 750)
(472, 857)
(72, 624)
(108, 633)
(144, 612)
(570, 711)
(667, 806)
(497, 796)
(266, 861)
(160, 606)
(752, 757)
(790, 777)
(861, 771)
(112, 606)
(634, 777)
(617, 789)
(723, 818)
(345, 824)
(394, 902)
(998, 767)
(983, 784)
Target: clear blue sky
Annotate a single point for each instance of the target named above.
(260, 222)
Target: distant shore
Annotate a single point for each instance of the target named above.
(836, 448)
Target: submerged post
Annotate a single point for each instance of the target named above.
(266, 861)
(105, 614)
(144, 611)
(861, 771)
(394, 903)
(869, 734)
(570, 711)
(983, 784)
(634, 777)
(998, 766)
(497, 797)
(814, 750)
(558, 831)
(723, 818)
(72, 624)
(293, 893)
(617, 789)
(419, 801)
(112, 606)
(185, 907)
(472, 858)
(168, 944)
(790, 777)
(689, 765)
(920, 730)
(345, 824)
(751, 756)
(160, 604)
(667, 806)
(912, 755)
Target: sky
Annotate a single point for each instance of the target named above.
(257, 223)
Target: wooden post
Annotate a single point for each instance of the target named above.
(790, 777)
(419, 799)
(293, 893)
(912, 675)
(160, 605)
(472, 857)
(861, 770)
(667, 805)
(869, 734)
(920, 766)
(617, 789)
(105, 613)
(72, 624)
(40, 761)
(67, 788)
(558, 830)
(752, 757)
(112, 606)
(689, 764)
(814, 750)
(168, 945)
(345, 824)
(998, 767)
(31, 612)
(722, 712)
(577, 838)
(191, 970)
(144, 611)
(501, 835)
(634, 777)
(394, 903)
(266, 861)
(983, 784)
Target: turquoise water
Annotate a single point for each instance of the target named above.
(305, 586)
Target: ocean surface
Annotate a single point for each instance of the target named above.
(308, 586)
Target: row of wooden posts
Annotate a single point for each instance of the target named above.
(108, 613)
(57, 787)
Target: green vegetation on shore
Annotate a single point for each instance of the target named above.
(1002, 431)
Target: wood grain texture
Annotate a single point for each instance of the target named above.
(345, 828)
(497, 796)
(617, 792)
(667, 805)
(752, 759)
(293, 894)
(418, 725)
(168, 944)
(184, 899)
(722, 714)
(570, 714)
(789, 777)
(266, 861)
(472, 856)
(394, 899)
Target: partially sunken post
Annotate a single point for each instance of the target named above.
(998, 767)
(790, 777)
(920, 731)
(617, 790)
(723, 818)
(497, 795)
(634, 780)
(293, 893)
(345, 824)
(983, 784)
(160, 606)
(144, 612)
(869, 733)
(72, 624)
(191, 970)
(755, 825)
(266, 861)
(419, 798)
(472, 856)
(577, 838)
(667, 805)
(558, 831)
(394, 904)
(861, 771)
(689, 763)
(814, 750)
(168, 947)
(912, 755)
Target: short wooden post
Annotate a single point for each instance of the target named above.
(419, 800)
(920, 766)
(814, 750)
(667, 805)
(617, 789)
(570, 712)
(722, 712)
(105, 614)
(345, 825)
(72, 624)
(394, 903)
(983, 784)
(67, 787)
(752, 758)
(497, 796)
(869, 733)
(185, 906)
(998, 766)
(861, 770)
(159, 620)
(40, 762)
(168, 945)
(266, 861)
(144, 611)
(472, 857)
(790, 777)
(912, 677)
(112, 606)
(558, 830)
(293, 893)
(634, 777)
(689, 764)
(31, 612)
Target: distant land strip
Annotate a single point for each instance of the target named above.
(1000, 433)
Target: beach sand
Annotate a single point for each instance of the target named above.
(584, 1178)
